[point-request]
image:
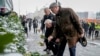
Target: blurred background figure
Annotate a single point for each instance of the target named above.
(92, 30)
(85, 26)
(24, 24)
(35, 25)
(97, 28)
(30, 24)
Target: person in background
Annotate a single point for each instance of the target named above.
(30, 24)
(24, 23)
(43, 30)
(91, 30)
(85, 25)
(35, 25)
(97, 28)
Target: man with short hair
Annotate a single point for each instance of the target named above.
(67, 28)
(48, 21)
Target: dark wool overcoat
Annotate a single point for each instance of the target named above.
(67, 26)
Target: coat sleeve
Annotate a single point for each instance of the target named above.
(57, 32)
(42, 23)
(75, 21)
(54, 33)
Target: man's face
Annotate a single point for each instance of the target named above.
(55, 9)
(47, 11)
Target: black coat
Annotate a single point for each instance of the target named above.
(35, 23)
(48, 30)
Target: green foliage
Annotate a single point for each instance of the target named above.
(27, 54)
(14, 34)
(5, 39)
(41, 44)
(21, 49)
(42, 36)
(2, 30)
(35, 54)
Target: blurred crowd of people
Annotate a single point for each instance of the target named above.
(28, 23)
(91, 29)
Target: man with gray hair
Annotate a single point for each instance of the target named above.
(47, 23)
(67, 28)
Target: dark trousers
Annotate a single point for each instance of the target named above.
(26, 30)
(91, 33)
(35, 30)
(52, 45)
(96, 33)
(46, 43)
(62, 46)
(29, 28)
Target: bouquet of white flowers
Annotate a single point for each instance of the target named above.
(11, 33)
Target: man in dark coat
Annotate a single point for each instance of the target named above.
(48, 31)
(91, 30)
(67, 29)
(85, 25)
(30, 23)
(35, 25)
(24, 24)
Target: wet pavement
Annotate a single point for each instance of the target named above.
(92, 49)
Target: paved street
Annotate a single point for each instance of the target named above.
(67, 17)
(92, 49)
